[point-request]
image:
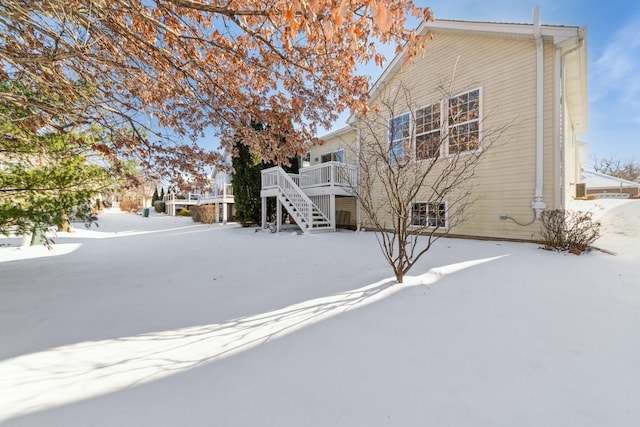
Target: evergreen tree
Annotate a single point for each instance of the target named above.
(246, 184)
(48, 174)
(162, 194)
(45, 184)
(247, 181)
(155, 196)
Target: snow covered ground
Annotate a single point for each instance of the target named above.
(162, 322)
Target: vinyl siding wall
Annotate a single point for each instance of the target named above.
(505, 71)
(573, 161)
(348, 204)
(343, 140)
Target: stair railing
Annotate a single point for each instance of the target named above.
(300, 201)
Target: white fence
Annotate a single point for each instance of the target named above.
(329, 173)
(610, 195)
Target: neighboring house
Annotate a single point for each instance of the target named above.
(219, 193)
(175, 202)
(319, 197)
(600, 185)
(139, 196)
(530, 76)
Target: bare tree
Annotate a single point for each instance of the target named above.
(624, 169)
(416, 169)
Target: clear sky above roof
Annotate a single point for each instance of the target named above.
(613, 38)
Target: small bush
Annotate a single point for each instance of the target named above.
(159, 206)
(125, 205)
(195, 213)
(130, 206)
(205, 214)
(572, 231)
(208, 213)
(184, 212)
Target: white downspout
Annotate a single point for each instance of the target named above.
(358, 163)
(538, 203)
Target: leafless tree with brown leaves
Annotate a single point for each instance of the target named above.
(135, 66)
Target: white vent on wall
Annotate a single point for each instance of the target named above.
(581, 190)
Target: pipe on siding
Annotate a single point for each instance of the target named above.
(358, 162)
(538, 203)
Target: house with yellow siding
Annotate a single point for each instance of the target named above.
(528, 80)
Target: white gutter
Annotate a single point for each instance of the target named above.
(538, 203)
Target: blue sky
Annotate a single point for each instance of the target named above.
(613, 41)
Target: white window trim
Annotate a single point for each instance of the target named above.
(340, 150)
(447, 128)
(442, 129)
(410, 139)
(446, 215)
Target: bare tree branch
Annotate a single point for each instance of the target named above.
(416, 182)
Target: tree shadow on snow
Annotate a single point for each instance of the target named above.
(67, 374)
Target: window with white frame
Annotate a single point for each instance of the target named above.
(428, 138)
(464, 122)
(429, 214)
(335, 156)
(306, 159)
(399, 134)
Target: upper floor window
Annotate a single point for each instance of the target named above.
(223, 178)
(464, 122)
(399, 137)
(428, 139)
(458, 116)
(305, 160)
(335, 156)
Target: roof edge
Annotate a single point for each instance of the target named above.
(558, 34)
(337, 133)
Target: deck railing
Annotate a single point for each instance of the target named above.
(328, 174)
(190, 198)
(221, 190)
(270, 178)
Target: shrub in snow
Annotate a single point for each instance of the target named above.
(573, 231)
(159, 206)
(195, 213)
(207, 213)
(130, 206)
(184, 212)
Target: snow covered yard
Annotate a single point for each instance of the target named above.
(160, 321)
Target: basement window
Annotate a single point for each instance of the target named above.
(429, 214)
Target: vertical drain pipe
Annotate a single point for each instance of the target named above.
(357, 183)
(538, 203)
